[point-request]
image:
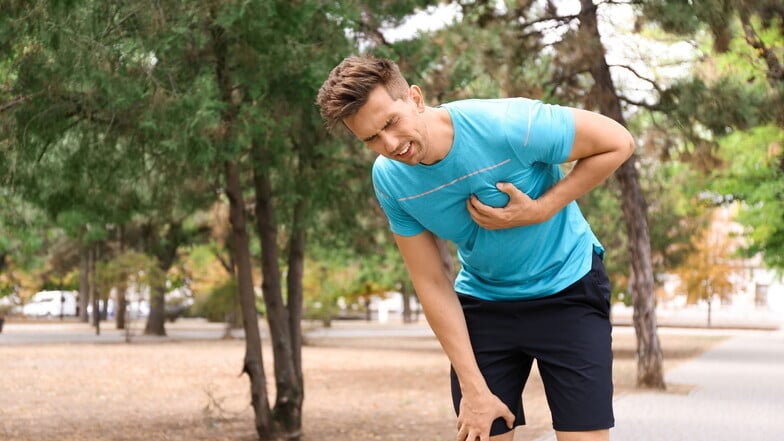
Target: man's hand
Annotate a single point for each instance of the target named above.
(477, 414)
(521, 210)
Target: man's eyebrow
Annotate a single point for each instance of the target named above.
(389, 121)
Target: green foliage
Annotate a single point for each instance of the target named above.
(676, 16)
(21, 227)
(129, 269)
(686, 16)
(727, 115)
(719, 106)
(671, 189)
(220, 304)
(755, 176)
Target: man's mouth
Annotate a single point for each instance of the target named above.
(405, 151)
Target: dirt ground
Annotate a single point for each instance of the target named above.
(357, 389)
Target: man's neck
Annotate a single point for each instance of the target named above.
(440, 131)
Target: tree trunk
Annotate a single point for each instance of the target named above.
(288, 401)
(84, 284)
(775, 72)
(157, 318)
(122, 306)
(165, 251)
(253, 365)
(93, 290)
(294, 302)
(649, 355)
(122, 302)
(294, 279)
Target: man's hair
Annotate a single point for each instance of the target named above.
(350, 82)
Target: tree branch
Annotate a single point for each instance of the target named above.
(625, 3)
(19, 99)
(627, 100)
(563, 19)
(638, 75)
(775, 71)
(559, 79)
(372, 32)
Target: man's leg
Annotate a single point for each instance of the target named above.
(593, 435)
(503, 365)
(575, 357)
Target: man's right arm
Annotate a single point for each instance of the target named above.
(442, 309)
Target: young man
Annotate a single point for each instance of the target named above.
(485, 174)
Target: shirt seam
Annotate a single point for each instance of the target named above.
(454, 181)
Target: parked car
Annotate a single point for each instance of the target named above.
(51, 304)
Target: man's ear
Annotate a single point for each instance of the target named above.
(417, 96)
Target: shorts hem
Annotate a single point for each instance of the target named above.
(506, 429)
(584, 428)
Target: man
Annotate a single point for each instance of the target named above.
(486, 175)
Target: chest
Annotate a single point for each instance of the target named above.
(439, 202)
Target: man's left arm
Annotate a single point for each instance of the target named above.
(600, 146)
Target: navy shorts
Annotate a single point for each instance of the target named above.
(568, 334)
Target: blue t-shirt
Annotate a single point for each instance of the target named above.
(513, 140)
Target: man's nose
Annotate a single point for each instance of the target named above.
(389, 141)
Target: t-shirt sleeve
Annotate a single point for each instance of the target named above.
(400, 221)
(540, 132)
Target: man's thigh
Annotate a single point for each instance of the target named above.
(593, 435)
(575, 357)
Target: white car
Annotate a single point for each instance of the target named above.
(51, 304)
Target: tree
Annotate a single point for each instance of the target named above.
(731, 108)
(708, 271)
(649, 356)
(269, 130)
(135, 92)
(103, 141)
(755, 176)
(21, 243)
(129, 269)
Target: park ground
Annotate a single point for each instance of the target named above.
(358, 387)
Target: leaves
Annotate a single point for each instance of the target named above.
(755, 177)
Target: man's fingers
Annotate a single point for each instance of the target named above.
(471, 436)
(477, 208)
(506, 187)
(476, 204)
(463, 432)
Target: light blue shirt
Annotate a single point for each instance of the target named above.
(513, 140)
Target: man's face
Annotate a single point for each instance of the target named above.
(392, 128)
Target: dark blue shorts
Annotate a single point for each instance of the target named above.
(570, 336)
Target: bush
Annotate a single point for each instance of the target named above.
(221, 304)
